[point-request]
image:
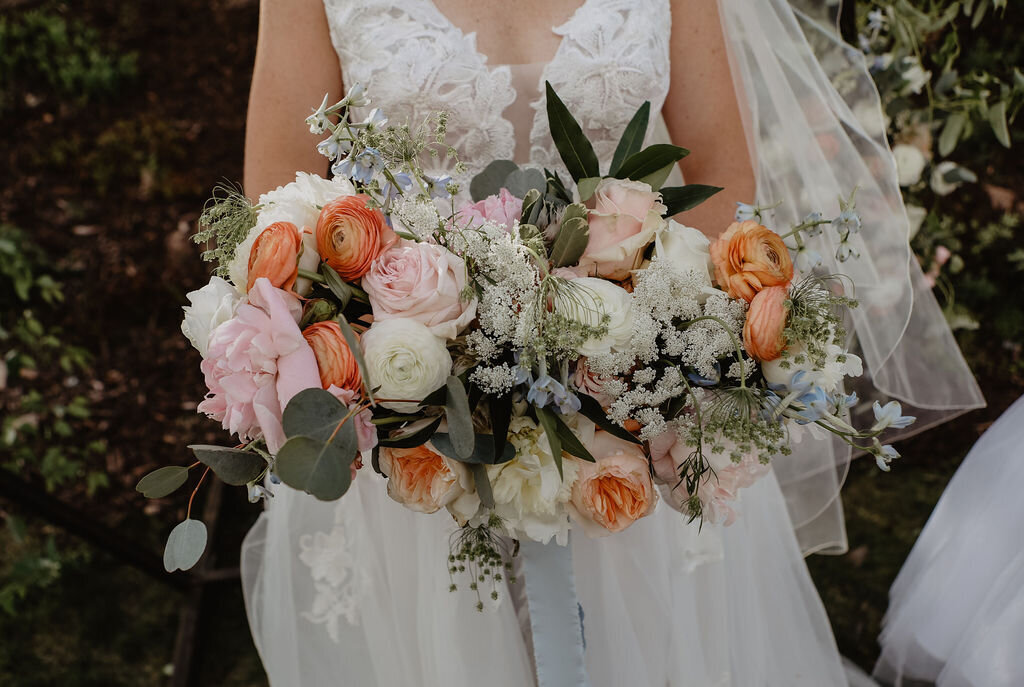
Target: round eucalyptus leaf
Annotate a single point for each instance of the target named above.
(185, 545)
(234, 466)
(489, 181)
(313, 413)
(460, 419)
(162, 481)
(319, 468)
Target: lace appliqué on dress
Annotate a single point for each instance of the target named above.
(340, 582)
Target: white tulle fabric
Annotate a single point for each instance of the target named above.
(956, 611)
(814, 127)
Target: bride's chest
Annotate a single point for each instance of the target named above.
(605, 60)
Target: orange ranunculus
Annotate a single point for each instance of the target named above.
(749, 257)
(422, 479)
(337, 365)
(275, 255)
(350, 235)
(614, 492)
(763, 335)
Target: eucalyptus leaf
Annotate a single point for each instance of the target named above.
(483, 450)
(375, 460)
(232, 465)
(651, 160)
(185, 545)
(632, 137)
(593, 411)
(546, 419)
(573, 146)
(460, 419)
(319, 468)
(313, 413)
(682, 198)
(417, 438)
(336, 284)
(997, 118)
(483, 484)
(357, 353)
(571, 242)
(586, 187)
(489, 181)
(521, 181)
(435, 397)
(570, 442)
(951, 131)
(162, 481)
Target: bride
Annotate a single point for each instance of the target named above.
(356, 592)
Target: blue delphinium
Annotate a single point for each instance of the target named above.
(359, 166)
(890, 415)
(547, 390)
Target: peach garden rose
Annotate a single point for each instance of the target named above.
(422, 479)
(616, 491)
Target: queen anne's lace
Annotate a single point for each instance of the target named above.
(613, 56)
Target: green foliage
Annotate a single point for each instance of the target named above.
(321, 445)
(43, 53)
(226, 220)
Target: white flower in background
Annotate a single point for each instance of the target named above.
(529, 494)
(948, 177)
(910, 163)
(686, 249)
(915, 215)
(915, 75)
(209, 307)
(828, 378)
(589, 301)
(298, 202)
(872, 118)
(405, 360)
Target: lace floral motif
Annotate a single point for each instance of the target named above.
(613, 56)
(339, 581)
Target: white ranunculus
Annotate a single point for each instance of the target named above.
(827, 378)
(686, 248)
(588, 301)
(910, 162)
(405, 360)
(529, 494)
(915, 215)
(298, 202)
(209, 307)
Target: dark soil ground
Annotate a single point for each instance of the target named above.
(111, 189)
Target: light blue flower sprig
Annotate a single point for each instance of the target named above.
(884, 455)
(403, 182)
(360, 166)
(438, 187)
(547, 390)
(890, 415)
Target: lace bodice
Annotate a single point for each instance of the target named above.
(612, 57)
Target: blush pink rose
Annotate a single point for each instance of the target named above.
(585, 381)
(503, 208)
(255, 362)
(616, 491)
(422, 282)
(626, 217)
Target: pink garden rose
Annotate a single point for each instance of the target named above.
(616, 491)
(422, 282)
(255, 363)
(503, 208)
(585, 381)
(626, 217)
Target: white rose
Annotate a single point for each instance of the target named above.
(209, 307)
(588, 302)
(828, 378)
(872, 118)
(688, 250)
(405, 360)
(529, 494)
(915, 215)
(298, 202)
(910, 162)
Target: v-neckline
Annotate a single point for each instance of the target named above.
(485, 59)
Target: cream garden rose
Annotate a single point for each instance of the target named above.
(588, 301)
(687, 249)
(405, 360)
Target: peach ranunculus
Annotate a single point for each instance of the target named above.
(423, 282)
(503, 208)
(350, 235)
(275, 255)
(763, 332)
(422, 479)
(749, 257)
(627, 215)
(616, 491)
(337, 365)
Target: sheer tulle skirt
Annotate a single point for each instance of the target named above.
(363, 600)
(956, 612)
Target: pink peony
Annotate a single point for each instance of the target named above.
(616, 491)
(422, 282)
(503, 208)
(255, 363)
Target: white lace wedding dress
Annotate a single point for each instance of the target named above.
(356, 592)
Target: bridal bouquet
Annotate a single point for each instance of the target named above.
(553, 354)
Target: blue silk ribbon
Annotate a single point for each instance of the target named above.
(556, 618)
